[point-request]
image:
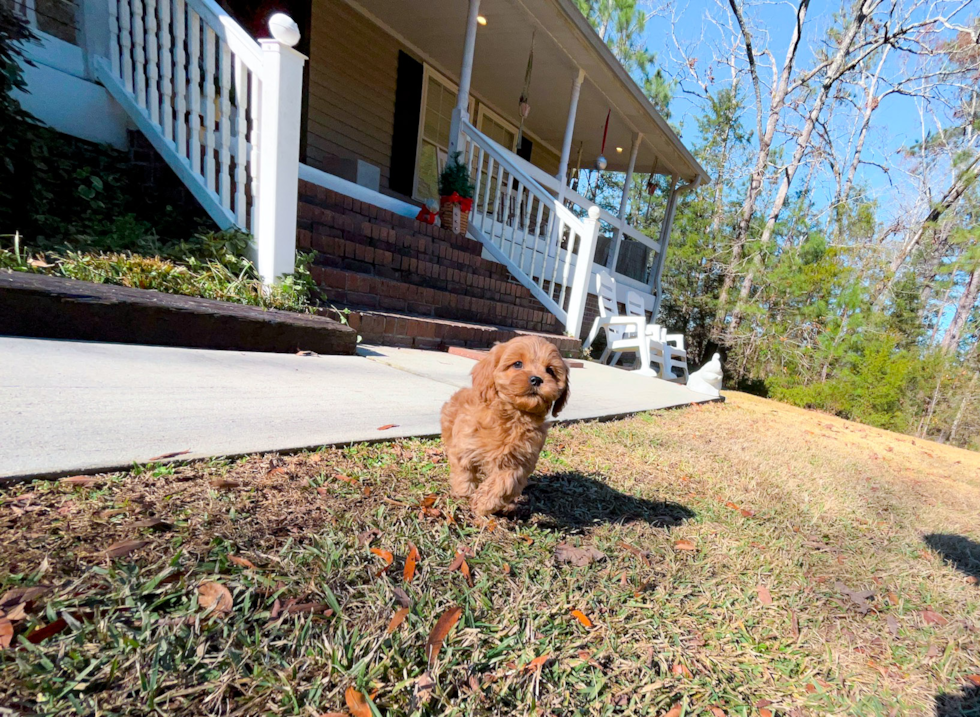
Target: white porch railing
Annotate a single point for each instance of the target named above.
(545, 246)
(220, 108)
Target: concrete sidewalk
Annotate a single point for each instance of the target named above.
(71, 407)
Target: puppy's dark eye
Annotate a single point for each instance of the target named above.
(551, 372)
(518, 364)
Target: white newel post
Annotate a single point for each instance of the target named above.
(583, 274)
(461, 112)
(278, 157)
(624, 201)
(96, 25)
(566, 145)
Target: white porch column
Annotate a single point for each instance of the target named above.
(465, 75)
(566, 144)
(95, 33)
(582, 278)
(665, 227)
(624, 201)
(278, 159)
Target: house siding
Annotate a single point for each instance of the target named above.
(353, 76)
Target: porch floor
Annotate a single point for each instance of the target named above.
(71, 407)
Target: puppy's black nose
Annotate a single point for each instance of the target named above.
(536, 381)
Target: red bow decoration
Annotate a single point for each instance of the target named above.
(465, 203)
(426, 216)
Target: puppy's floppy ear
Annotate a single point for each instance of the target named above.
(482, 373)
(566, 392)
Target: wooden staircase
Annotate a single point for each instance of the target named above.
(411, 284)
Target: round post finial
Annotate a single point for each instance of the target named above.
(284, 29)
(593, 212)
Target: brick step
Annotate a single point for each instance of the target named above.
(365, 291)
(419, 268)
(389, 328)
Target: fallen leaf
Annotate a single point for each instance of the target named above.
(491, 525)
(124, 548)
(277, 471)
(763, 703)
(680, 670)
(685, 545)
(930, 617)
(465, 569)
(892, 625)
(457, 562)
(214, 595)
(429, 500)
(410, 562)
(152, 524)
(506, 569)
(731, 505)
(765, 597)
(858, 597)
(22, 595)
(226, 483)
(6, 633)
(746, 513)
(16, 613)
(810, 688)
(892, 598)
(387, 426)
(674, 711)
(537, 663)
(242, 562)
(357, 703)
(366, 537)
(276, 610)
(397, 620)
(43, 633)
(636, 551)
(582, 618)
(933, 652)
(81, 480)
(975, 679)
(402, 597)
(169, 455)
(346, 479)
(579, 557)
(765, 713)
(439, 632)
(794, 625)
(422, 692)
(717, 711)
(386, 556)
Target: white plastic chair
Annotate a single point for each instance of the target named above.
(623, 333)
(668, 348)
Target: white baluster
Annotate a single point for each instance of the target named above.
(254, 164)
(114, 36)
(209, 109)
(476, 180)
(486, 193)
(139, 53)
(567, 269)
(496, 206)
(537, 240)
(126, 34)
(152, 58)
(180, 65)
(241, 134)
(195, 88)
(224, 122)
(166, 67)
(583, 274)
(524, 199)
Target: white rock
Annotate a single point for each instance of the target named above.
(707, 379)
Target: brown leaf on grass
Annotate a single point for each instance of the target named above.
(366, 537)
(685, 545)
(642, 555)
(579, 557)
(225, 483)
(422, 692)
(679, 670)
(582, 618)
(674, 711)
(892, 598)
(429, 500)
(810, 688)
(82, 480)
(402, 598)
(537, 663)
(22, 595)
(506, 569)
(214, 595)
(165, 456)
(765, 713)
(387, 426)
(345, 479)
(975, 679)
(892, 625)
(16, 613)
(465, 569)
(43, 633)
(410, 562)
(731, 505)
(242, 562)
(124, 548)
(277, 471)
(858, 597)
(318, 608)
(765, 597)
(930, 617)
(440, 630)
(397, 620)
(357, 703)
(6, 633)
(794, 625)
(716, 711)
(276, 610)
(763, 703)
(152, 524)
(457, 562)
(746, 513)
(386, 556)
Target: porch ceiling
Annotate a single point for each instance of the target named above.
(564, 41)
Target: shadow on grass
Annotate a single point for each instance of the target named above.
(962, 553)
(964, 704)
(570, 501)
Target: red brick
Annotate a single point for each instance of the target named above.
(372, 324)
(421, 342)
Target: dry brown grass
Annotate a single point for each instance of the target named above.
(815, 511)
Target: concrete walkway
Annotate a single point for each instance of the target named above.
(70, 407)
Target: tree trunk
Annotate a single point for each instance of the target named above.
(963, 309)
(959, 412)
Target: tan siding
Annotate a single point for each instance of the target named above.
(353, 73)
(544, 158)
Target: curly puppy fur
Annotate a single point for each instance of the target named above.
(494, 431)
